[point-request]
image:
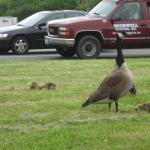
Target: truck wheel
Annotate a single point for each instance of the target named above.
(65, 52)
(20, 45)
(88, 47)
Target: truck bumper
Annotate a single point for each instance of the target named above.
(59, 41)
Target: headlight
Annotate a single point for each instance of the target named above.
(65, 31)
(3, 36)
(62, 28)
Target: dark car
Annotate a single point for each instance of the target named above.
(30, 32)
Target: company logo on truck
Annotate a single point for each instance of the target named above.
(126, 27)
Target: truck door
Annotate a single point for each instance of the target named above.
(129, 17)
(148, 20)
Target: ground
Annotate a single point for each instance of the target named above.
(54, 120)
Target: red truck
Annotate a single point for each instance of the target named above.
(86, 36)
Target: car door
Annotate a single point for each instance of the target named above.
(130, 18)
(41, 31)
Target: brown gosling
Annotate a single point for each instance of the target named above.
(50, 86)
(144, 106)
(33, 85)
(42, 86)
(12, 88)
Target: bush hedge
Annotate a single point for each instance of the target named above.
(24, 8)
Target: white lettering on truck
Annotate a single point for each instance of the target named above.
(126, 27)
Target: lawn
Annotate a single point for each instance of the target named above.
(54, 120)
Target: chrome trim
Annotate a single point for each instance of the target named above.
(90, 31)
(140, 38)
(49, 40)
(109, 38)
(148, 38)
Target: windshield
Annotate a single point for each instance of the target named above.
(103, 9)
(33, 19)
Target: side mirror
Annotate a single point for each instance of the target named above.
(41, 25)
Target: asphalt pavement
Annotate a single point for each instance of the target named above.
(51, 54)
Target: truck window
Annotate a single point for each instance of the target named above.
(130, 11)
(148, 7)
(103, 9)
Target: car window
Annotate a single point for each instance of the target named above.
(54, 17)
(130, 11)
(33, 19)
(69, 15)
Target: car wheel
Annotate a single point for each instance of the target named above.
(65, 52)
(88, 47)
(4, 51)
(20, 45)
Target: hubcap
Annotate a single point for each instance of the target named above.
(21, 46)
(89, 48)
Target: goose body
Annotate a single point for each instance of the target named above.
(114, 86)
(117, 84)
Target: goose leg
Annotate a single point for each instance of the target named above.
(116, 104)
(109, 106)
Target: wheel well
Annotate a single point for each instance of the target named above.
(20, 35)
(93, 33)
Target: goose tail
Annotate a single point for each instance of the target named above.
(85, 104)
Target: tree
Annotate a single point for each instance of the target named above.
(87, 4)
(24, 8)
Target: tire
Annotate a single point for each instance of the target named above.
(3, 52)
(20, 45)
(65, 52)
(88, 47)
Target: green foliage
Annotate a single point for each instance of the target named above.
(88, 5)
(24, 8)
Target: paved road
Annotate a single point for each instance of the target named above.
(51, 54)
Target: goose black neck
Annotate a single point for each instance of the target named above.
(120, 57)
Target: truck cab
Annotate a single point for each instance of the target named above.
(87, 36)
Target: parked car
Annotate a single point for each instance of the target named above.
(87, 35)
(30, 32)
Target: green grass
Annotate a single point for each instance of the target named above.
(54, 120)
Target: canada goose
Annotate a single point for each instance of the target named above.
(117, 84)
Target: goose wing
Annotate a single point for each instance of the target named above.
(106, 88)
(96, 96)
(112, 80)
